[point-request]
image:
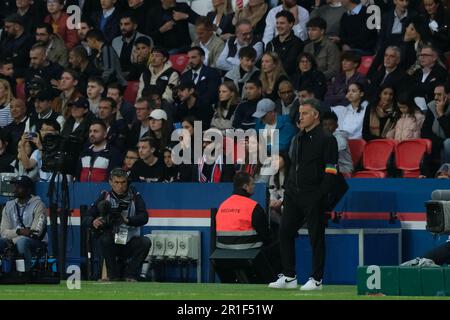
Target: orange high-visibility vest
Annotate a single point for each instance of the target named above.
(234, 224)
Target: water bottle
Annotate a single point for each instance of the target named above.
(6, 264)
(20, 263)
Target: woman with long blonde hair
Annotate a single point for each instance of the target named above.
(222, 18)
(6, 97)
(272, 74)
(225, 107)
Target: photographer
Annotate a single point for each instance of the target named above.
(23, 221)
(117, 216)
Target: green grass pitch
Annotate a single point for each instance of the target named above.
(180, 291)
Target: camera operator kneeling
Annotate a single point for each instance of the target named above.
(23, 221)
(117, 216)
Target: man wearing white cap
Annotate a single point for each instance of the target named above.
(158, 128)
(269, 121)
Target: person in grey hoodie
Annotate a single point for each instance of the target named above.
(24, 221)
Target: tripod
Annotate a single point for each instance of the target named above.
(59, 240)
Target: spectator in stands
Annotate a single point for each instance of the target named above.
(208, 40)
(55, 50)
(332, 13)
(308, 75)
(171, 171)
(351, 116)
(186, 142)
(191, 105)
(80, 119)
(245, 71)
(6, 97)
(286, 44)
(117, 130)
(256, 12)
(330, 125)
(69, 92)
(336, 94)
(158, 129)
(94, 93)
(408, 122)
(86, 25)
(140, 58)
(225, 107)
(276, 190)
(27, 231)
(43, 111)
(436, 126)
(324, 51)
(31, 14)
(355, 34)
(269, 121)
(134, 247)
(124, 109)
(6, 158)
(390, 73)
(167, 24)
(287, 105)
(439, 23)
(272, 73)
(206, 79)
(381, 114)
(140, 125)
(80, 62)
(107, 20)
(393, 24)
(221, 18)
(123, 44)
(157, 102)
(18, 126)
(99, 158)
(131, 156)
(300, 14)
(417, 35)
(57, 18)
(41, 67)
(140, 9)
(149, 168)
(7, 73)
(26, 150)
(159, 73)
(243, 116)
(430, 73)
(244, 37)
(16, 44)
(105, 59)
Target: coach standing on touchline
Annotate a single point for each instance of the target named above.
(314, 156)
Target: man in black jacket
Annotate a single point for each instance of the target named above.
(312, 177)
(118, 216)
(107, 20)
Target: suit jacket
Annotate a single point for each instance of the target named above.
(426, 89)
(398, 79)
(215, 48)
(386, 38)
(207, 85)
(112, 28)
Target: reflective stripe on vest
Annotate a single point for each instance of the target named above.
(234, 224)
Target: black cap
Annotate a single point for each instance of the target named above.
(23, 181)
(44, 95)
(79, 103)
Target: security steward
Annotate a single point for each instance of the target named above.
(314, 157)
(241, 223)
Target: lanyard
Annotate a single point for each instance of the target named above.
(20, 215)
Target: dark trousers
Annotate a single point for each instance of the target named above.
(304, 207)
(136, 250)
(440, 255)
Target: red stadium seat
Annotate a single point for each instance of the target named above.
(366, 62)
(179, 61)
(131, 92)
(356, 150)
(20, 90)
(375, 158)
(409, 155)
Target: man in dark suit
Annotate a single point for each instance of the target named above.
(107, 20)
(426, 78)
(206, 79)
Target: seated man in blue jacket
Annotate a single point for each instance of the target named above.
(269, 121)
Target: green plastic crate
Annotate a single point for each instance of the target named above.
(433, 281)
(410, 281)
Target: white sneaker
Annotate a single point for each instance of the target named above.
(311, 285)
(284, 282)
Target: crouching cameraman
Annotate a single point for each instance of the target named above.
(117, 216)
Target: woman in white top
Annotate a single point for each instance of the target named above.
(6, 96)
(351, 117)
(27, 155)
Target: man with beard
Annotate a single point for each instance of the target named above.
(86, 25)
(80, 62)
(100, 157)
(55, 50)
(123, 45)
